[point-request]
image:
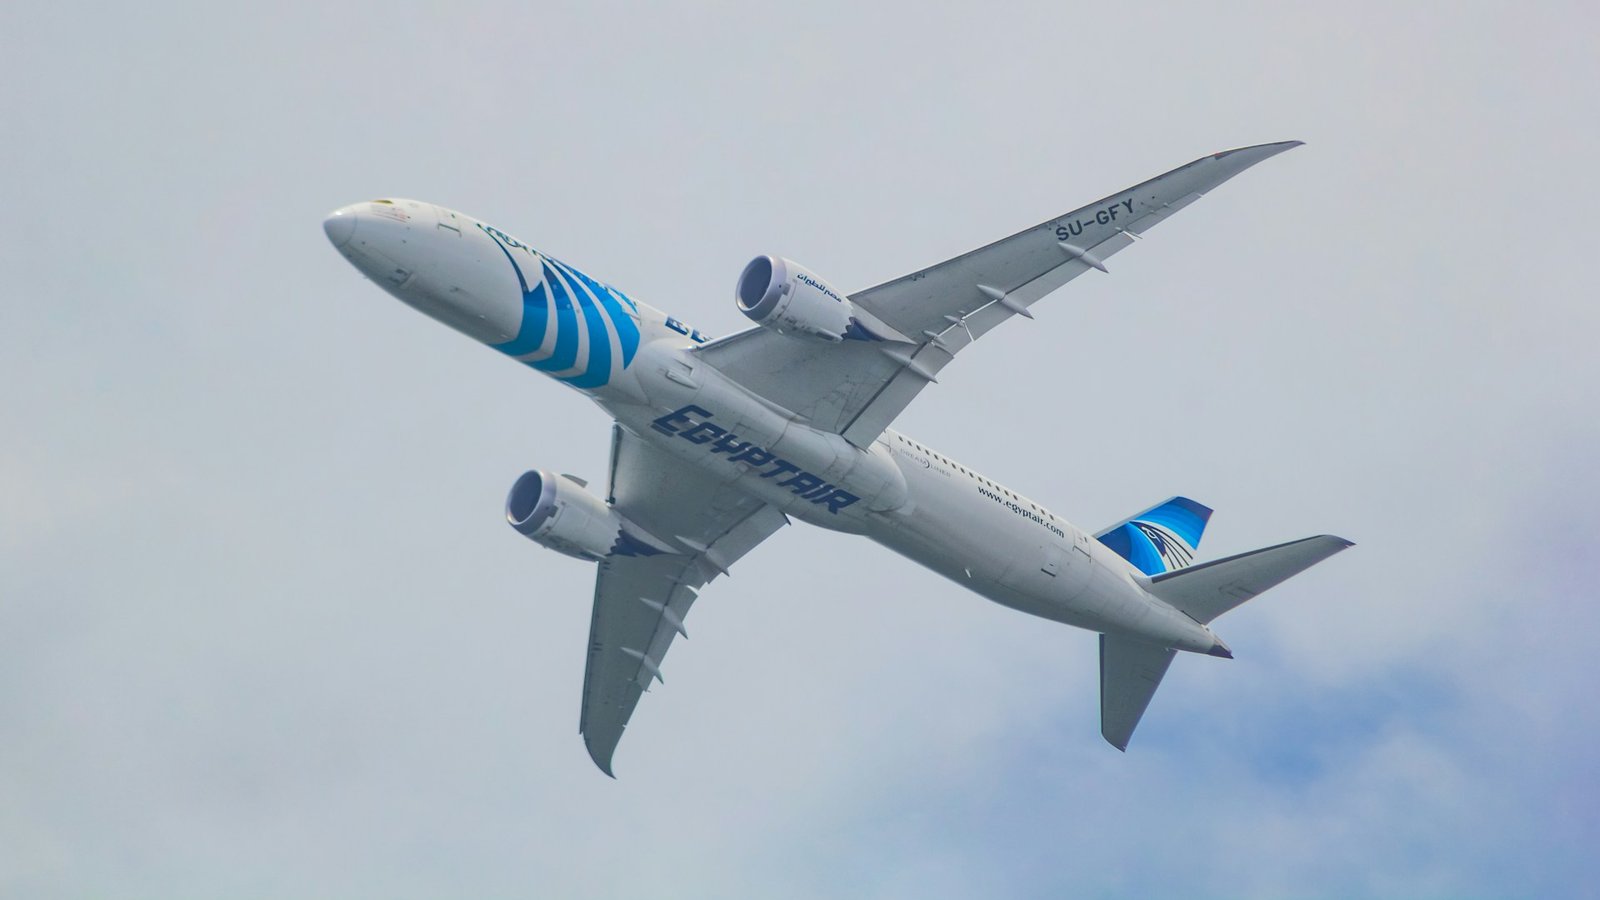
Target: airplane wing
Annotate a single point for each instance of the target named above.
(856, 388)
(640, 601)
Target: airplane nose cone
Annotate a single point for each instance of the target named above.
(339, 226)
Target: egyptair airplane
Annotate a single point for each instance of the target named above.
(717, 444)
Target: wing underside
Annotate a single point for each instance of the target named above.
(641, 602)
(857, 388)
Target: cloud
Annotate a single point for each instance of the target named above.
(264, 634)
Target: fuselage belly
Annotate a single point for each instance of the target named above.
(638, 365)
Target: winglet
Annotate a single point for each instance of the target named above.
(602, 758)
(1241, 158)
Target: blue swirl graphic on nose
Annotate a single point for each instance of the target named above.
(535, 312)
(566, 327)
(535, 316)
(569, 291)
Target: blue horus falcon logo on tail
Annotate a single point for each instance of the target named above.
(1160, 539)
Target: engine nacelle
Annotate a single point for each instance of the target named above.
(781, 294)
(556, 511)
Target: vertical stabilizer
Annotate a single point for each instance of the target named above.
(1160, 539)
(1130, 672)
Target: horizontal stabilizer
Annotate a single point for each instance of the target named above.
(1210, 589)
(1130, 672)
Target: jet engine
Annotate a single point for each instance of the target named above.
(557, 512)
(781, 294)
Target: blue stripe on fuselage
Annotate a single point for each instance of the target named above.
(597, 368)
(627, 329)
(566, 352)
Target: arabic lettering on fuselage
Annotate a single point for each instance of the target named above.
(803, 278)
(717, 439)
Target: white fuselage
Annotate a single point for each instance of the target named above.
(638, 365)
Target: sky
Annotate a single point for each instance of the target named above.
(264, 633)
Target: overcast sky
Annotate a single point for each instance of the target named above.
(264, 632)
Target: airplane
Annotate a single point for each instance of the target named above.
(717, 444)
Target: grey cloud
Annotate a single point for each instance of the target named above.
(263, 634)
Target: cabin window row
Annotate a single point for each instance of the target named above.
(975, 476)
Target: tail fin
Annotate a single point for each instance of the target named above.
(1130, 672)
(1210, 589)
(1160, 539)
(1131, 669)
